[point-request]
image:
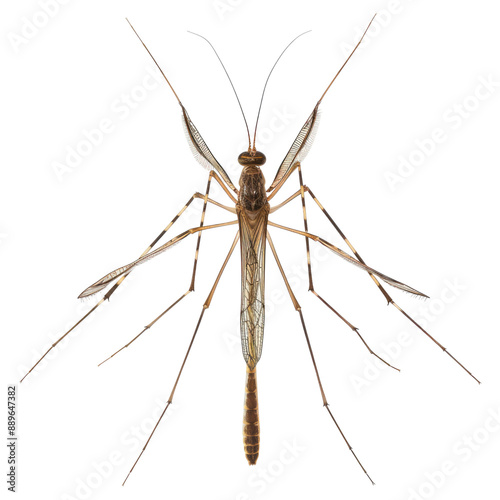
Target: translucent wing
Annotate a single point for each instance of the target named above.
(110, 277)
(300, 146)
(253, 254)
(387, 279)
(303, 141)
(200, 149)
(113, 275)
(352, 260)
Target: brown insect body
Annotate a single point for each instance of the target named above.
(252, 210)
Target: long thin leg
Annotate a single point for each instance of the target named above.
(120, 281)
(309, 269)
(282, 204)
(205, 199)
(223, 186)
(206, 305)
(381, 288)
(124, 272)
(216, 203)
(105, 281)
(202, 221)
(299, 310)
(301, 192)
(147, 327)
(347, 257)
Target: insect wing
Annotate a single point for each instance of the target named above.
(299, 148)
(253, 254)
(200, 149)
(110, 277)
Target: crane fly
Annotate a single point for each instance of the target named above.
(251, 205)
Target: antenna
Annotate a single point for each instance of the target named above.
(230, 81)
(265, 85)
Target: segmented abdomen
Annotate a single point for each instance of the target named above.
(251, 428)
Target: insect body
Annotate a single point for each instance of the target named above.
(252, 210)
(252, 207)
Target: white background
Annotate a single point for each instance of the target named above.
(435, 230)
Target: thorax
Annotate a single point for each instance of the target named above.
(252, 197)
